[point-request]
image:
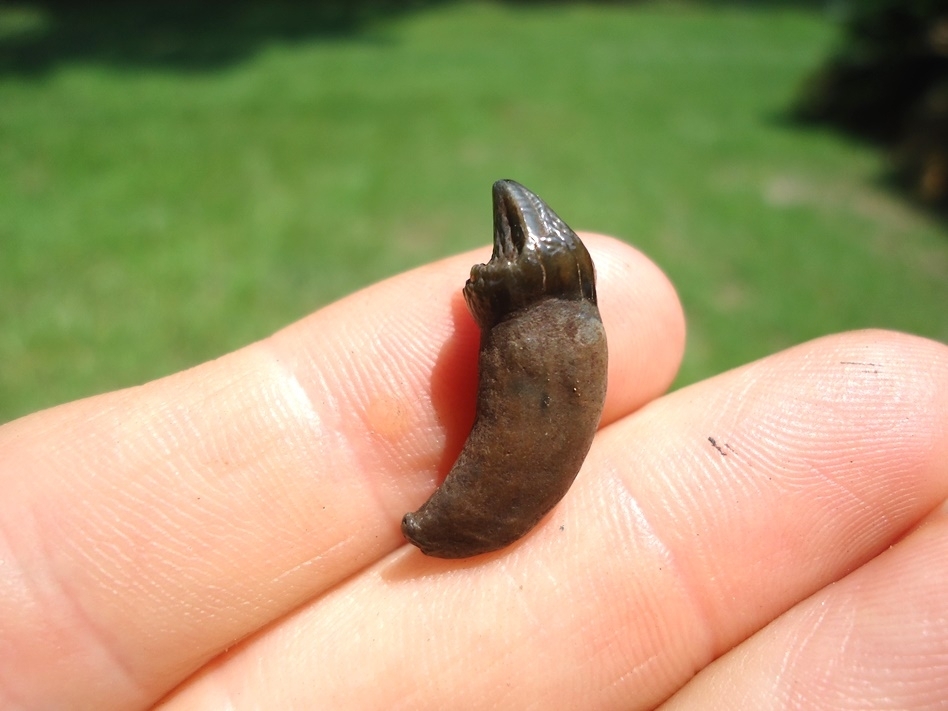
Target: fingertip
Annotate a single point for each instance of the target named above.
(644, 321)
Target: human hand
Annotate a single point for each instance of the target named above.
(252, 504)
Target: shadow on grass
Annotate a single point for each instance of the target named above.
(892, 178)
(36, 37)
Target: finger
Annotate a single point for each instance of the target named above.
(145, 530)
(644, 324)
(669, 550)
(876, 639)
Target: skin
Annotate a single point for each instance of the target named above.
(258, 498)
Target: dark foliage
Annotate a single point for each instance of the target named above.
(889, 83)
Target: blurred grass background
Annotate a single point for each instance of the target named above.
(178, 182)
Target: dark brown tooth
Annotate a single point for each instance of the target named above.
(542, 384)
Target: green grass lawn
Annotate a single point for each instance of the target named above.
(171, 192)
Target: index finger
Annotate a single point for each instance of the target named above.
(188, 512)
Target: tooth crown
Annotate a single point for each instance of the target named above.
(536, 256)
